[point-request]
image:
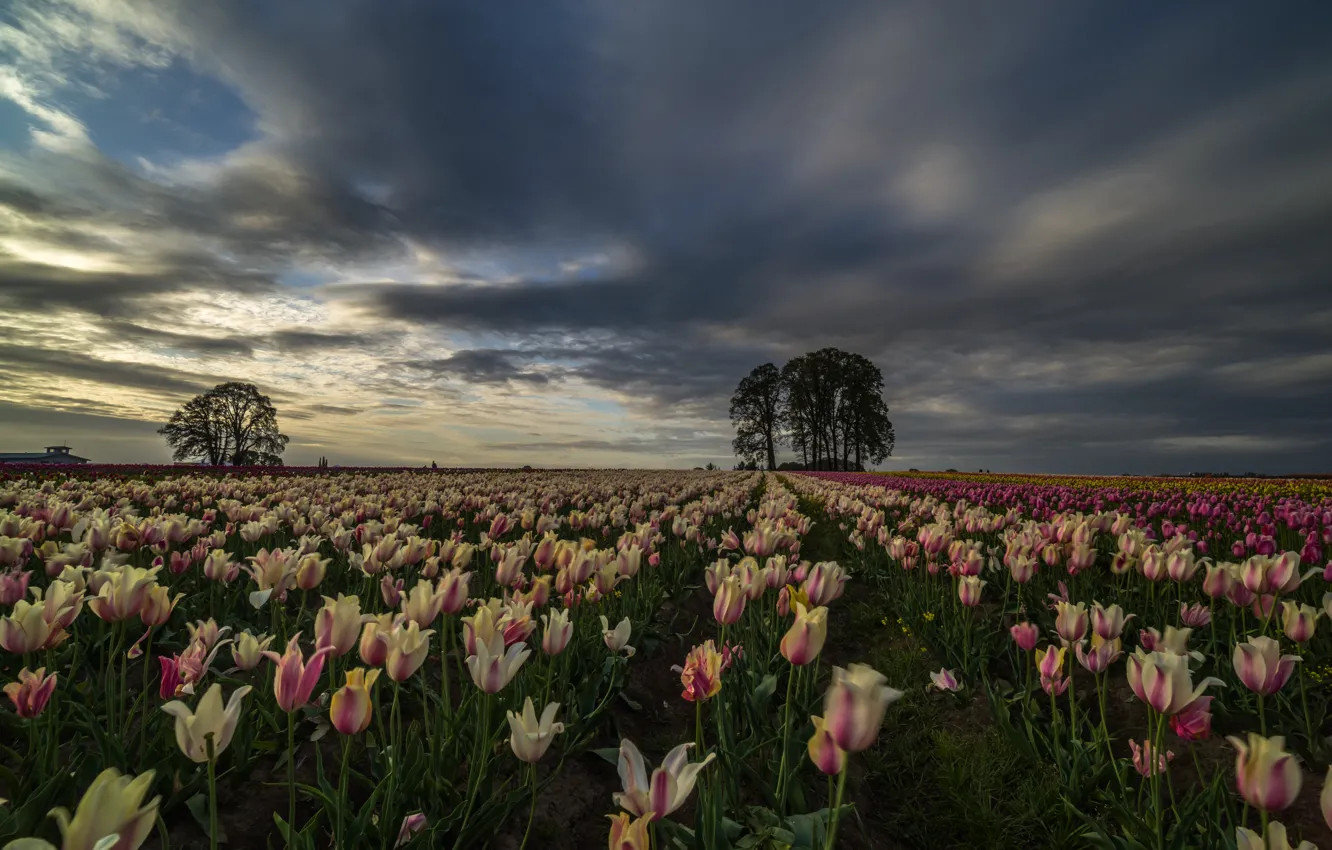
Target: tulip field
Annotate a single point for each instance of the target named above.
(1155, 644)
(642, 660)
(393, 659)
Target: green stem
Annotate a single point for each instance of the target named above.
(786, 738)
(147, 680)
(531, 813)
(446, 625)
(344, 773)
(1304, 703)
(212, 792)
(291, 778)
(1262, 717)
(1072, 704)
(483, 741)
(1153, 766)
(835, 815)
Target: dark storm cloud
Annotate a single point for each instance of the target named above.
(1072, 236)
(53, 364)
(293, 340)
(482, 366)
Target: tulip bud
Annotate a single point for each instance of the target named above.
(829, 758)
(338, 624)
(248, 650)
(969, 590)
(310, 571)
(558, 630)
(855, 704)
(408, 646)
(627, 835)
(1298, 620)
(729, 603)
(1071, 620)
(14, 585)
(1108, 622)
(352, 708)
(1261, 666)
(804, 640)
(1025, 635)
(374, 639)
(158, 605)
(1267, 776)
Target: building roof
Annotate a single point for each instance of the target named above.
(41, 457)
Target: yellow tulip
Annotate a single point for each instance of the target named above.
(209, 719)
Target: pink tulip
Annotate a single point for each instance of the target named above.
(1195, 615)
(824, 583)
(391, 590)
(1261, 666)
(1268, 777)
(414, 823)
(1025, 635)
(729, 603)
(1195, 722)
(1142, 758)
(296, 678)
(1071, 621)
(944, 680)
(1108, 622)
(969, 590)
(1103, 653)
(14, 585)
(31, 692)
(827, 757)
(171, 683)
(1298, 620)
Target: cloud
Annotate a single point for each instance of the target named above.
(1074, 238)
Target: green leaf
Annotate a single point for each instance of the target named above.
(762, 693)
(198, 806)
(610, 754)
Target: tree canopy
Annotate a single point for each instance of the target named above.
(827, 406)
(233, 423)
(756, 410)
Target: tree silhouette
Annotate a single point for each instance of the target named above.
(756, 410)
(829, 410)
(231, 423)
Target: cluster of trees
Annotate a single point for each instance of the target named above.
(827, 406)
(233, 423)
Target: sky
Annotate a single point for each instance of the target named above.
(1076, 237)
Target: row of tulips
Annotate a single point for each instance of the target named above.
(1036, 607)
(458, 611)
